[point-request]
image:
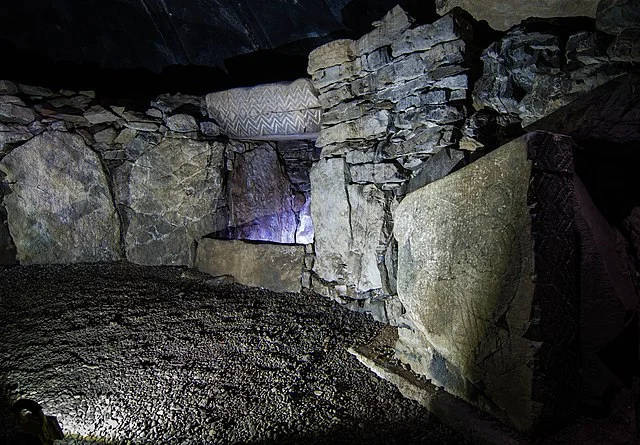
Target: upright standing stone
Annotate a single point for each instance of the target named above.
(486, 273)
(60, 209)
(261, 197)
(171, 200)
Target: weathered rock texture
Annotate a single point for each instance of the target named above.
(264, 202)
(59, 206)
(267, 112)
(273, 266)
(489, 282)
(391, 100)
(609, 113)
(502, 15)
(615, 16)
(172, 195)
(528, 75)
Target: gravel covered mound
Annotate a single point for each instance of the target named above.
(128, 354)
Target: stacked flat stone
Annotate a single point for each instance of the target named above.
(391, 100)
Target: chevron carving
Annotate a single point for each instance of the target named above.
(280, 110)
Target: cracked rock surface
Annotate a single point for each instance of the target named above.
(131, 354)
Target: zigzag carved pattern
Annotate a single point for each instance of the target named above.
(267, 110)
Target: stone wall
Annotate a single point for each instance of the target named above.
(391, 102)
(85, 180)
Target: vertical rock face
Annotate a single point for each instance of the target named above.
(267, 112)
(272, 266)
(171, 200)
(489, 286)
(60, 209)
(390, 100)
(261, 197)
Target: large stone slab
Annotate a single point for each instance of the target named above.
(276, 267)
(489, 284)
(261, 197)
(348, 222)
(60, 208)
(267, 112)
(170, 200)
(503, 15)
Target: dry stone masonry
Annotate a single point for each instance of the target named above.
(84, 181)
(403, 179)
(391, 102)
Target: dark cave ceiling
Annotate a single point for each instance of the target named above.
(237, 38)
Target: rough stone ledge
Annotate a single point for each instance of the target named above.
(476, 427)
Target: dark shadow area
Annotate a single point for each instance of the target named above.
(609, 172)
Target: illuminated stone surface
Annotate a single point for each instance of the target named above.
(60, 208)
(261, 197)
(502, 15)
(491, 312)
(275, 267)
(267, 112)
(171, 201)
(348, 223)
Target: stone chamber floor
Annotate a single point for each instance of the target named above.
(126, 354)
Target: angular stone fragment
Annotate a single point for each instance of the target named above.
(167, 103)
(186, 179)
(11, 100)
(609, 113)
(125, 136)
(106, 136)
(98, 115)
(503, 15)
(35, 91)
(333, 53)
(11, 134)
(376, 173)
(392, 24)
(626, 46)
(486, 272)
(78, 101)
(614, 16)
(7, 87)
(181, 123)
(275, 267)
(436, 167)
(267, 112)
(15, 114)
(365, 127)
(427, 36)
(210, 129)
(60, 209)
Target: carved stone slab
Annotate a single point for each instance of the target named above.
(267, 112)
